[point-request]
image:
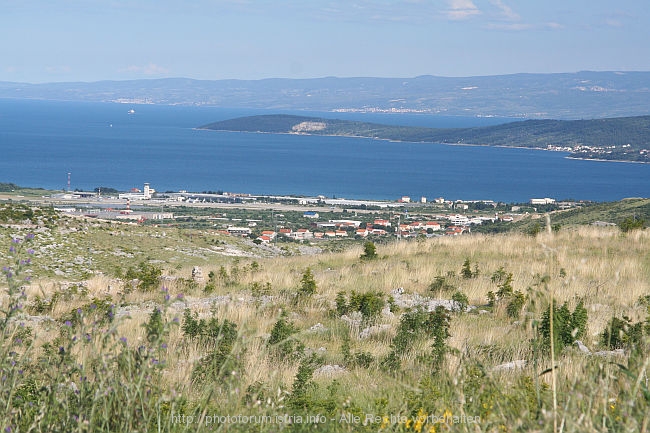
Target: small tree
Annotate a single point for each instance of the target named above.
(631, 223)
(439, 322)
(307, 283)
(147, 274)
(369, 251)
(461, 300)
(466, 271)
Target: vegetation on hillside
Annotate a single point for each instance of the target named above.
(441, 334)
(623, 138)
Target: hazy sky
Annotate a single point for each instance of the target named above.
(91, 40)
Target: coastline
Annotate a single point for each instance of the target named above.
(424, 142)
(606, 160)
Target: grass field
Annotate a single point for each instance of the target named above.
(112, 333)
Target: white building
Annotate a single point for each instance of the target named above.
(146, 194)
(545, 200)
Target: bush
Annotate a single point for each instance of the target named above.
(369, 304)
(440, 284)
(466, 271)
(631, 223)
(439, 321)
(515, 305)
(281, 341)
(307, 283)
(622, 334)
(369, 251)
(567, 326)
(303, 384)
(461, 299)
(147, 274)
(419, 323)
(220, 361)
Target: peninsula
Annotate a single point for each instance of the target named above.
(615, 139)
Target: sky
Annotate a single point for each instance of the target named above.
(94, 40)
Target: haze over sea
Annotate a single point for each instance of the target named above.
(101, 144)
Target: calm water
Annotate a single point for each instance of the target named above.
(104, 145)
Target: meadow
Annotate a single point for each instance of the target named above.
(104, 327)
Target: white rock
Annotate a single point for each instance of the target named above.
(329, 370)
(513, 365)
(318, 328)
(617, 352)
(582, 347)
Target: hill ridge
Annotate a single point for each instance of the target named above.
(616, 139)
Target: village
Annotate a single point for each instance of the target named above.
(444, 225)
(272, 219)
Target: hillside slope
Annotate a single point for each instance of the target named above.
(621, 139)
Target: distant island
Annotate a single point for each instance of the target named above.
(578, 95)
(614, 139)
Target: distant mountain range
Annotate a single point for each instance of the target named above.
(617, 139)
(558, 96)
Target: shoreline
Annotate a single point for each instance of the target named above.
(391, 140)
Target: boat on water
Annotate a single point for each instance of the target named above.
(131, 111)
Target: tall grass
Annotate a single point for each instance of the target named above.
(96, 359)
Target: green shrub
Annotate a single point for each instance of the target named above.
(342, 306)
(567, 326)
(622, 334)
(461, 299)
(517, 301)
(147, 274)
(369, 304)
(440, 284)
(307, 283)
(369, 251)
(220, 361)
(414, 324)
(466, 271)
(631, 223)
(155, 326)
(98, 312)
(302, 385)
(281, 341)
(499, 275)
(439, 322)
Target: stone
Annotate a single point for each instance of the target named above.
(197, 274)
(513, 365)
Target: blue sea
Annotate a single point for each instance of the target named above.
(102, 144)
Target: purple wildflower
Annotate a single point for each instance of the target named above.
(30, 236)
(68, 323)
(30, 251)
(15, 240)
(123, 340)
(179, 296)
(12, 249)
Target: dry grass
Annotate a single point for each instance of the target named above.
(607, 270)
